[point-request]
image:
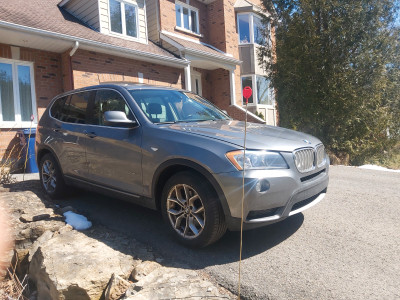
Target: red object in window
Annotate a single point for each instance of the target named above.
(247, 92)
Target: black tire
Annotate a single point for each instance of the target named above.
(51, 178)
(188, 217)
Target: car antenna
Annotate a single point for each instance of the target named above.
(247, 92)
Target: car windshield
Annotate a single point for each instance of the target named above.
(169, 106)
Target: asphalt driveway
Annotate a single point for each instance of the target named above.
(346, 247)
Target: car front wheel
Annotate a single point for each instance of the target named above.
(192, 209)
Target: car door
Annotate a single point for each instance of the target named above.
(114, 153)
(70, 125)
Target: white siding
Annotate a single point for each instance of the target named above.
(104, 18)
(153, 20)
(86, 11)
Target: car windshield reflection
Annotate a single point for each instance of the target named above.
(169, 106)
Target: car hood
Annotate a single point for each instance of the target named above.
(259, 136)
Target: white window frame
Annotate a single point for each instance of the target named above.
(251, 27)
(123, 20)
(255, 92)
(196, 76)
(190, 9)
(18, 123)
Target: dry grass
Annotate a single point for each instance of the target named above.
(12, 288)
(8, 164)
(389, 159)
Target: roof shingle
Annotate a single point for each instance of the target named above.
(46, 15)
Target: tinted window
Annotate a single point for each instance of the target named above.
(56, 110)
(75, 108)
(108, 100)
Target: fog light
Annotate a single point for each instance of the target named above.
(262, 185)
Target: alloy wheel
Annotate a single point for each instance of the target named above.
(49, 176)
(186, 211)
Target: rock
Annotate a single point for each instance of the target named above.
(172, 283)
(72, 265)
(116, 288)
(47, 235)
(66, 228)
(143, 269)
(27, 233)
(33, 218)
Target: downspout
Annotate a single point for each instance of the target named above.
(71, 53)
(188, 81)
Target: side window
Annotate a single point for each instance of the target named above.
(74, 110)
(57, 108)
(108, 100)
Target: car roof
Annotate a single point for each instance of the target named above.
(133, 86)
(122, 84)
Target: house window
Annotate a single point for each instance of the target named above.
(187, 17)
(251, 29)
(262, 91)
(17, 101)
(244, 28)
(123, 18)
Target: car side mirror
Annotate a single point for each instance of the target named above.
(118, 119)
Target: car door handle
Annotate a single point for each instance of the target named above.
(57, 127)
(90, 134)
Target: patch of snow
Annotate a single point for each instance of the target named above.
(379, 168)
(78, 222)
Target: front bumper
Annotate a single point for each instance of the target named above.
(289, 192)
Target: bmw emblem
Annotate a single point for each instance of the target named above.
(307, 142)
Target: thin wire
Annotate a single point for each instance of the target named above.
(241, 223)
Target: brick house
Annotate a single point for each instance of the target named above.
(51, 46)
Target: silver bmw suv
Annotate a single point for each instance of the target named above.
(172, 150)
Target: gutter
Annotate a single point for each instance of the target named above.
(160, 59)
(213, 56)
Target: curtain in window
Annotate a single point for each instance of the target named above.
(6, 92)
(130, 20)
(25, 92)
(115, 16)
(186, 18)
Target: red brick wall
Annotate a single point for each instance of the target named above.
(48, 83)
(91, 68)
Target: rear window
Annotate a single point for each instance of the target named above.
(76, 108)
(56, 110)
(72, 108)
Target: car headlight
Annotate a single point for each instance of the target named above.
(257, 160)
